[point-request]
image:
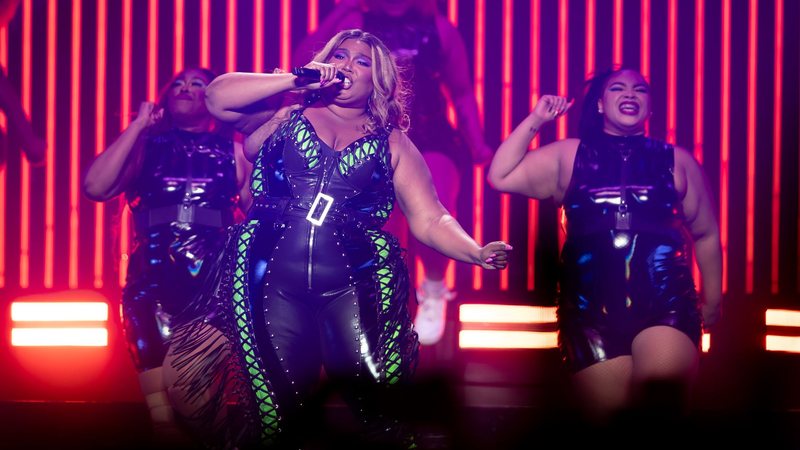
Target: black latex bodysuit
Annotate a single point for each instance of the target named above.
(414, 41)
(625, 261)
(297, 296)
(181, 202)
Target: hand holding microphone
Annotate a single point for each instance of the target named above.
(319, 73)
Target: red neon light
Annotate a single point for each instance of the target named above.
(699, 72)
(152, 50)
(533, 205)
(508, 61)
(563, 42)
(125, 107)
(4, 129)
(752, 56)
(725, 129)
(452, 16)
(616, 57)
(286, 34)
(672, 72)
(776, 145)
(478, 177)
(205, 33)
(25, 170)
(478, 180)
(100, 137)
(230, 59)
(313, 16)
(75, 139)
(258, 36)
(588, 57)
(178, 36)
(644, 50)
(50, 164)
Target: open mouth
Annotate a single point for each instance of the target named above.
(629, 108)
(347, 83)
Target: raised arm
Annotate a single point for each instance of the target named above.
(699, 210)
(538, 174)
(33, 146)
(113, 170)
(428, 220)
(456, 77)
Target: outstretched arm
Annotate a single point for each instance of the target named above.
(428, 220)
(114, 169)
(535, 174)
(698, 208)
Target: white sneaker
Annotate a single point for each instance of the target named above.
(431, 314)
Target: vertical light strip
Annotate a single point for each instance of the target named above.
(589, 54)
(152, 50)
(3, 172)
(480, 48)
(124, 119)
(672, 71)
(313, 16)
(230, 56)
(75, 145)
(178, 36)
(50, 161)
(776, 147)
(535, 87)
(205, 33)
(561, 133)
(452, 16)
(258, 36)
(699, 95)
(725, 131)
(752, 70)
(286, 34)
(505, 119)
(644, 50)
(25, 168)
(616, 57)
(100, 138)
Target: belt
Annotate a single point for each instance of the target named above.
(193, 214)
(319, 211)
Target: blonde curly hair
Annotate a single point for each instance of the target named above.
(386, 105)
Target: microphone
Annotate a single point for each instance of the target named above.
(312, 75)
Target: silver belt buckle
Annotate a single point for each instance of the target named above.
(314, 206)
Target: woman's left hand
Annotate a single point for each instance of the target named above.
(494, 255)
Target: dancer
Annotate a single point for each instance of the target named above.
(312, 281)
(182, 180)
(430, 53)
(629, 316)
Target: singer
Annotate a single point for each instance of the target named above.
(311, 280)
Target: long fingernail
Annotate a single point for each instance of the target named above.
(488, 260)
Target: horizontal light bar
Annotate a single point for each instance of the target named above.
(506, 313)
(58, 311)
(59, 337)
(507, 339)
(782, 318)
(789, 344)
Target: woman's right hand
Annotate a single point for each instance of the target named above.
(327, 76)
(550, 107)
(149, 114)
